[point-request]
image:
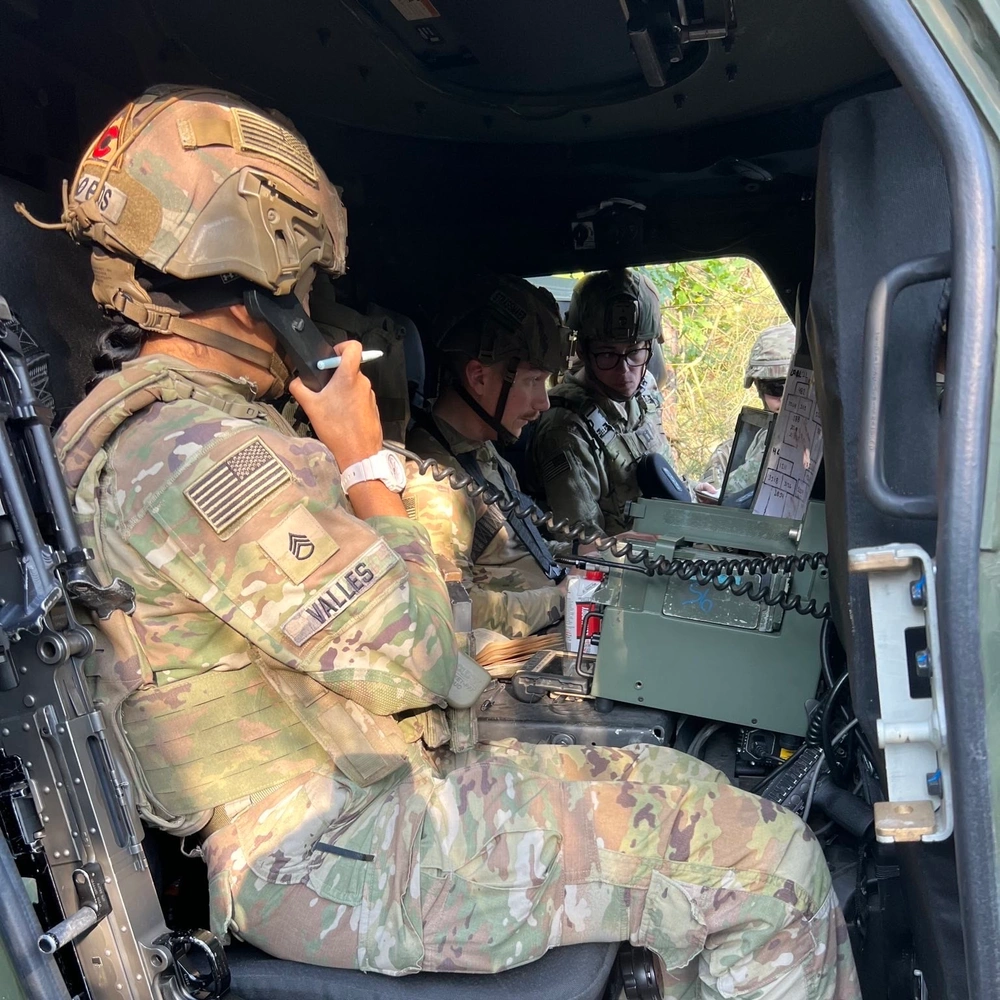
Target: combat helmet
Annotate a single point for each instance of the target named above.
(620, 305)
(771, 354)
(192, 199)
(502, 318)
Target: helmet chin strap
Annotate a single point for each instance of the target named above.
(495, 421)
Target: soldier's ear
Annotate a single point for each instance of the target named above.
(476, 376)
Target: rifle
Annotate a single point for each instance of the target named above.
(66, 808)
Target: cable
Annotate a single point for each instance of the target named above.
(838, 769)
(722, 574)
(812, 789)
(824, 653)
(704, 735)
(850, 725)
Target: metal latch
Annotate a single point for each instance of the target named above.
(912, 729)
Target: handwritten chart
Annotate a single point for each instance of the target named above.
(795, 452)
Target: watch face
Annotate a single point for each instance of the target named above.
(397, 471)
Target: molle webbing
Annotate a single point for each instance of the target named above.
(624, 448)
(118, 397)
(216, 737)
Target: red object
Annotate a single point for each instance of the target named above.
(593, 626)
(103, 146)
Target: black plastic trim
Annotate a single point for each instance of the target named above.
(901, 38)
(882, 496)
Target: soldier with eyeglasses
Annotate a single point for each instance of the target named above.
(605, 418)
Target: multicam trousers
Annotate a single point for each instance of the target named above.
(484, 860)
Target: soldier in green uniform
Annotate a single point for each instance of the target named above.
(274, 689)
(606, 417)
(767, 368)
(500, 337)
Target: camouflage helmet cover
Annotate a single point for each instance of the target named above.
(502, 317)
(616, 306)
(771, 354)
(194, 183)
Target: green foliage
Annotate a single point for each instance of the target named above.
(713, 311)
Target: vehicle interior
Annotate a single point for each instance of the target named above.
(570, 136)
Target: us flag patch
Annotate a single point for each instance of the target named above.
(234, 486)
(554, 467)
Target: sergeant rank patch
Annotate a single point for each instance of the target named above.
(234, 486)
(298, 544)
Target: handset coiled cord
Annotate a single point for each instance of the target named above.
(722, 574)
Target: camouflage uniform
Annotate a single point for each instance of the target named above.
(770, 358)
(276, 682)
(587, 475)
(509, 591)
(259, 685)
(587, 447)
(715, 471)
(746, 474)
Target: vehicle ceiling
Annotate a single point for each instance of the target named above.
(478, 148)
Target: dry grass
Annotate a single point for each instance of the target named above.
(712, 313)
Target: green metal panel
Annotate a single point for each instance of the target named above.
(9, 987)
(673, 644)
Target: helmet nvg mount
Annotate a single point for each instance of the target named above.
(502, 318)
(615, 306)
(196, 199)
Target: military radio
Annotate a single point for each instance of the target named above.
(718, 615)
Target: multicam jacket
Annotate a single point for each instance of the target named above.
(745, 475)
(274, 631)
(509, 591)
(586, 448)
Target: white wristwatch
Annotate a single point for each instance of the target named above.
(383, 465)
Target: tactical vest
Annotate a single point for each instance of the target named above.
(307, 726)
(621, 449)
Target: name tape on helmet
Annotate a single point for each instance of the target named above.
(111, 201)
(507, 307)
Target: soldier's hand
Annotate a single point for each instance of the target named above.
(343, 413)
(705, 492)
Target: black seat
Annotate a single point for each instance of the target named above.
(576, 972)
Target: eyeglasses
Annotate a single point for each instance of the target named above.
(607, 361)
(770, 386)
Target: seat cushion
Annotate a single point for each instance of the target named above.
(576, 972)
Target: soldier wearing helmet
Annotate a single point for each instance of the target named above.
(286, 608)
(280, 688)
(767, 368)
(607, 417)
(500, 337)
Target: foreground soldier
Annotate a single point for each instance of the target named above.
(606, 417)
(767, 369)
(500, 337)
(287, 623)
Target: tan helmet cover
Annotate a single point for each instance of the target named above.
(771, 354)
(616, 306)
(197, 182)
(501, 317)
